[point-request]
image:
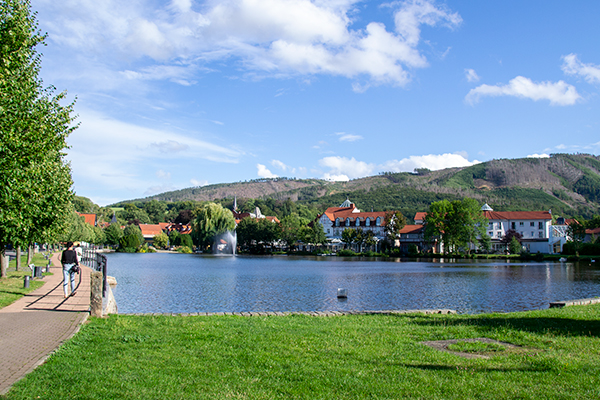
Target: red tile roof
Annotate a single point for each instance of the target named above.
(518, 215)
(420, 216)
(412, 229)
(594, 231)
(89, 218)
(344, 213)
(150, 229)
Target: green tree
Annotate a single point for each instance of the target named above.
(209, 221)
(35, 181)
(161, 240)
(290, 229)
(458, 223)
(174, 238)
(113, 234)
(394, 222)
(514, 246)
(348, 237)
(132, 238)
(156, 211)
(485, 242)
(316, 234)
(133, 215)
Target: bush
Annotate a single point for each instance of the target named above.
(346, 253)
(184, 249)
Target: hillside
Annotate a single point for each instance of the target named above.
(569, 184)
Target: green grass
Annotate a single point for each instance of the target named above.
(342, 357)
(11, 287)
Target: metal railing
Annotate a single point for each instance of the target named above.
(98, 262)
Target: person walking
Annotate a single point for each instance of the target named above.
(69, 261)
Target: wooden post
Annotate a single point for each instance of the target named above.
(18, 253)
(96, 294)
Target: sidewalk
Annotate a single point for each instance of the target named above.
(37, 324)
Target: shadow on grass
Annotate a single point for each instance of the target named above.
(438, 367)
(563, 326)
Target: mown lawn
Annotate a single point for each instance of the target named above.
(11, 287)
(342, 357)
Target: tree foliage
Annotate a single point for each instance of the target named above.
(458, 224)
(209, 221)
(113, 234)
(35, 184)
(161, 240)
(394, 222)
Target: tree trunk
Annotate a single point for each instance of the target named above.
(18, 254)
(30, 254)
(3, 264)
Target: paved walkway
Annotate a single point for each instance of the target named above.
(37, 324)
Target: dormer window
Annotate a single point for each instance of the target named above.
(347, 221)
(368, 222)
(337, 222)
(357, 223)
(378, 221)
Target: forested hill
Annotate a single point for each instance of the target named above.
(568, 184)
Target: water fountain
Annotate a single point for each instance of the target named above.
(225, 243)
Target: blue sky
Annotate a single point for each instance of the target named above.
(182, 93)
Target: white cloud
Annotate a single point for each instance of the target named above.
(116, 154)
(263, 172)
(471, 75)
(282, 166)
(558, 93)
(342, 168)
(268, 37)
(543, 155)
(196, 182)
(572, 66)
(160, 174)
(348, 137)
(430, 161)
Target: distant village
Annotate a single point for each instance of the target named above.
(537, 231)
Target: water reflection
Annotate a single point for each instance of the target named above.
(197, 283)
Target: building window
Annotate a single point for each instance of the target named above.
(513, 225)
(337, 222)
(491, 234)
(540, 225)
(378, 221)
(368, 222)
(357, 222)
(491, 225)
(347, 221)
(532, 223)
(328, 230)
(541, 234)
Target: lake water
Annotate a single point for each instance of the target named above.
(184, 283)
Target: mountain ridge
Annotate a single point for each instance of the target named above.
(569, 183)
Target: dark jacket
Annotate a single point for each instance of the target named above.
(69, 257)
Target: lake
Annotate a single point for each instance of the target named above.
(185, 283)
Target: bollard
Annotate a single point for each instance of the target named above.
(37, 272)
(26, 282)
(342, 293)
(96, 294)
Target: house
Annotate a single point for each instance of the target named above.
(337, 219)
(535, 228)
(89, 218)
(149, 231)
(591, 235)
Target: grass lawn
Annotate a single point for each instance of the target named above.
(342, 357)
(11, 287)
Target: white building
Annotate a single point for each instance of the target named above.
(535, 228)
(336, 219)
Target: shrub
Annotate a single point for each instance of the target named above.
(184, 249)
(346, 253)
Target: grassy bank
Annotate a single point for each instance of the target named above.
(11, 287)
(342, 357)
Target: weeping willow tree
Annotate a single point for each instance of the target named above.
(35, 180)
(209, 221)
